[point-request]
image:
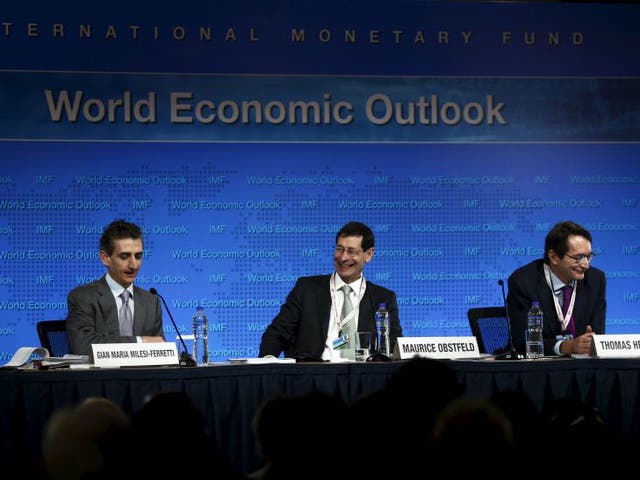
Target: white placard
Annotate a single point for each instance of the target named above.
(619, 345)
(134, 354)
(436, 347)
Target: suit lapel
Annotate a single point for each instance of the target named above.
(323, 304)
(579, 308)
(366, 310)
(107, 305)
(546, 300)
(138, 311)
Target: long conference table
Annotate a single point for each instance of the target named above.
(229, 395)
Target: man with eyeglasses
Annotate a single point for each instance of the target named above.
(312, 321)
(571, 293)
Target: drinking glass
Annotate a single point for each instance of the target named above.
(363, 346)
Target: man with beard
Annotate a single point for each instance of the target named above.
(111, 309)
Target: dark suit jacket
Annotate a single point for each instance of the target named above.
(93, 316)
(301, 327)
(527, 284)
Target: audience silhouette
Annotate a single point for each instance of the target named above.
(475, 429)
(401, 416)
(302, 437)
(171, 441)
(89, 440)
(418, 422)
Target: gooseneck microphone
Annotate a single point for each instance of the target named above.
(186, 360)
(509, 353)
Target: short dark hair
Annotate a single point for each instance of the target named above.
(557, 237)
(117, 230)
(357, 229)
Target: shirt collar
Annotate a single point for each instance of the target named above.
(559, 284)
(116, 288)
(339, 283)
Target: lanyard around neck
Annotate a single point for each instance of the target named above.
(356, 308)
(563, 319)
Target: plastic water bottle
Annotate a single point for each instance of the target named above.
(200, 337)
(535, 319)
(382, 330)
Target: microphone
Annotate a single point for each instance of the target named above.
(186, 360)
(508, 352)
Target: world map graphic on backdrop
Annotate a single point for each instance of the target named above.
(231, 232)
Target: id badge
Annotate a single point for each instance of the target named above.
(340, 341)
(567, 336)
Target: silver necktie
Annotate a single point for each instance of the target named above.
(124, 316)
(348, 330)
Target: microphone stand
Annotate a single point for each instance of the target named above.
(510, 352)
(186, 360)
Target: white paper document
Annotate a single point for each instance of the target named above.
(24, 354)
(24, 357)
(262, 360)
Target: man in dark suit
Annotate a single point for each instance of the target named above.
(571, 318)
(111, 309)
(310, 324)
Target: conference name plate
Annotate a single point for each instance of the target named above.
(616, 345)
(436, 347)
(134, 354)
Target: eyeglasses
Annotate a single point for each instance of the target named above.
(579, 258)
(351, 252)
